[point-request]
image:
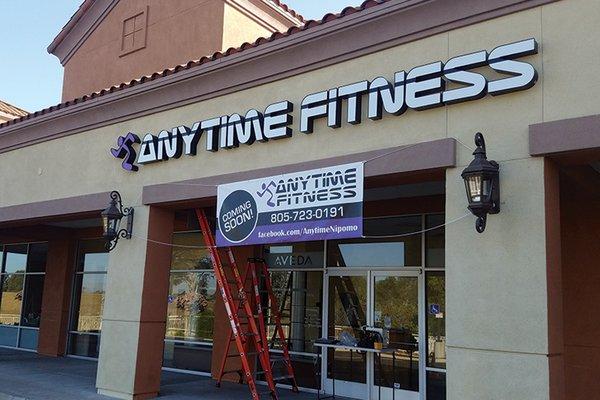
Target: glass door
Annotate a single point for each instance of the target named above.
(396, 311)
(388, 302)
(347, 304)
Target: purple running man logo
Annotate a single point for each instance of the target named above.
(267, 189)
(126, 151)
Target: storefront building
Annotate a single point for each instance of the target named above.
(399, 86)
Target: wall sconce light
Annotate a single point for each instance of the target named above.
(111, 221)
(482, 181)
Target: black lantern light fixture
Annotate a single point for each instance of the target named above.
(111, 221)
(482, 181)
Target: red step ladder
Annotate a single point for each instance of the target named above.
(247, 323)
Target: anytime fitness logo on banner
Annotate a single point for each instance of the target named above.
(310, 205)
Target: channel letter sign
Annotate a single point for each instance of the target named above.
(319, 204)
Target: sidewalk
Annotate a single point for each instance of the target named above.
(28, 376)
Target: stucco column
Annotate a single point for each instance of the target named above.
(133, 326)
(497, 290)
(56, 298)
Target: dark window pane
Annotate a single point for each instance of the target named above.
(16, 258)
(298, 297)
(435, 241)
(380, 252)
(347, 313)
(11, 300)
(296, 255)
(187, 257)
(188, 356)
(93, 257)
(84, 345)
(29, 339)
(436, 385)
(436, 319)
(36, 260)
(190, 313)
(8, 336)
(32, 306)
(88, 302)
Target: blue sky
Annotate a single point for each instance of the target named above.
(31, 78)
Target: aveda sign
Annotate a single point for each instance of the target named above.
(436, 84)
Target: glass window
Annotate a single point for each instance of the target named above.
(29, 339)
(32, 301)
(15, 258)
(436, 319)
(190, 313)
(435, 241)
(89, 302)
(396, 309)
(36, 259)
(347, 314)
(21, 293)
(380, 252)
(295, 255)
(188, 356)
(11, 301)
(88, 298)
(93, 256)
(298, 296)
(191, 301)
(84, 345)
(188, 257)
(8, 336)
(436, 385)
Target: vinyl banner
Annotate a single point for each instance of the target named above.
(320, 204)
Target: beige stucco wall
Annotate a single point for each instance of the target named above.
(240, 28)
(496, 281)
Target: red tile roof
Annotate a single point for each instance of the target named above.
(202, 61)
(12, 110)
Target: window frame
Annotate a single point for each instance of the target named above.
(71, 332)
(20, 327)
(143, 32)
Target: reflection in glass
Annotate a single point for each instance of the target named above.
(32, 306)
(436, 385)
(11, 302)
(15, 258)
(8, 336)
(93, 256)
(187, 258)
(380, 252)
(187, 356)
(84, 345)
(29, 339)
(190, 313)
(347, 313)
(397, 311)
(298, 297)
(435, 241)
(436, 319)
(36, 260)
(89, 302)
